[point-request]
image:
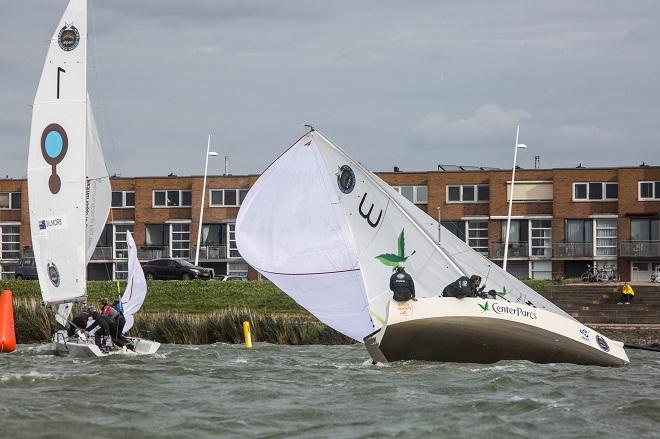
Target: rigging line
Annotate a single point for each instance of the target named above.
(354, 348)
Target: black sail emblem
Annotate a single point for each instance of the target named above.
(346, 179)
(367, 215)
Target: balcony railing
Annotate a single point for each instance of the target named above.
(516, 250)
(639, 249)
(102, 254)
(153, 252)
(210, 252)
(574, 249)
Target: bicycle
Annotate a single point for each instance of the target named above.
(595, 274)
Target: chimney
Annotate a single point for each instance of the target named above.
(396, 169)
(226, 165)
(537, 161)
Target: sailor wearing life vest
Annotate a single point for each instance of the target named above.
(402, 285)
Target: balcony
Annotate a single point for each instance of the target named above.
(210, 252)
(149, 252)
(639, 249)
(516, 250)
(102, 254)
(574, 250)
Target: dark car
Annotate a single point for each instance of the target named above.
(26, 268)
(175, 269)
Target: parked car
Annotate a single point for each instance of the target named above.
(163, 269)
(230, 278)
(26, 268)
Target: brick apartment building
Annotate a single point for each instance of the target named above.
(562, 220)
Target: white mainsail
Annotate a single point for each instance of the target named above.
(136, 284)
(328, 232)
(68, 186)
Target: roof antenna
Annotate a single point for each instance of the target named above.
(311, 128)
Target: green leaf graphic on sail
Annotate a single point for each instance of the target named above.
(393, 260)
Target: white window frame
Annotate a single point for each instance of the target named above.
(182, 253)
(237, 193)
(603, 191)
(181, 191)
(17, 252)
(231, 242)
(483, 250)
(123, 200)
(547, 240)
(115, 240)
(11, 204)
(416, 199)
(596, 228)
(654, 197)
(476, 193)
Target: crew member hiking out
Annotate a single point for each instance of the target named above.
(102, 333)
(402, 285)
(464, 287)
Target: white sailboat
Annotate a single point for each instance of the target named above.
(328, 232)
(68, 184)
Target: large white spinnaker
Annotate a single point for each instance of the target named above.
(57, 161)
(292, 228)
(136, 285)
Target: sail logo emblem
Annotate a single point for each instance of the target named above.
(51, 223)
(393, 260)
(53, 274)
(483, 307)
(68, 38)
(345, 179)
(584, 333)
(54, 146)
(404, 308)
(602, 343)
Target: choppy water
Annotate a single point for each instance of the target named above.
(282, 391)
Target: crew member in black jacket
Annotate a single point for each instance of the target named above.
(464, 287)
(402, 285)
(103, 332)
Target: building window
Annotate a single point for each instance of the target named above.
(468, 193)
(121, 270)
(10, 200)
(530, 191)
(10, 242)
(8, 270)
(157, 235)
(649, 190)
(123, 199)
(579, 230)
(172, 198)
(180, 240)
(541, 239)
(227, 197)
(415, 194)
(478, 236)
(606, 237)
(121, 247)
(595, 191)
(645, 229)
(213, 234)
(231, 239)
(518, 231)
(455, 227)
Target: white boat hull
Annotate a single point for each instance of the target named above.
(85, 347)
(473, 330)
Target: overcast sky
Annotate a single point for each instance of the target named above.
(404, 83)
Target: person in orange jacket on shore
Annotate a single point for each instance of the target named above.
(627, 294)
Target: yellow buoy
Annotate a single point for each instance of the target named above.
(247, 335)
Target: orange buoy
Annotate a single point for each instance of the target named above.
(7, 333)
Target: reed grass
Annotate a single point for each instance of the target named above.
(35, 323)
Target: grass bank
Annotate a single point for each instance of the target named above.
(194, 312)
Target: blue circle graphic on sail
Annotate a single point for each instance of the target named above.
(54, 146)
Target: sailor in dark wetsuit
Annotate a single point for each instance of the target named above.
(79, 322)
(103, 332)
(402, 285)
(464, 287)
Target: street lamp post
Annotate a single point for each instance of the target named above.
(513, 179)
(201, 209)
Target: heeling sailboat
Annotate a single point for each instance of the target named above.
(68, 183)
(327, 231)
